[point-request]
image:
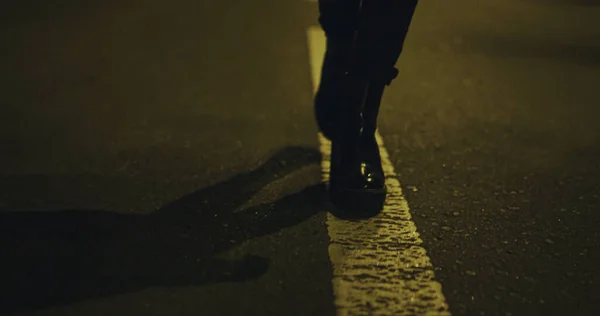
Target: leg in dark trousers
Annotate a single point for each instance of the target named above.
(364, 41)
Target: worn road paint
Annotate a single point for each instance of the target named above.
(379, 265)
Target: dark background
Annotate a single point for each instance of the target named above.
(161, 158)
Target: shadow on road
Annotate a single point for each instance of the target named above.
(53, 258)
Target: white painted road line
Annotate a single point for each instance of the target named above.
(379, 265)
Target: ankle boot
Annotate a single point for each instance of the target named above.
(357, 181)
(369, 148)
(354, 185)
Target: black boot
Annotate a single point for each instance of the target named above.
(369, 148)
(356, 183)
(347, 104)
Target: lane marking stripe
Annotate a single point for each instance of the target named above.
(379, 265)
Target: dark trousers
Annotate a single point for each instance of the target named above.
(373, 30)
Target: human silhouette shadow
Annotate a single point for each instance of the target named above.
(52, 258)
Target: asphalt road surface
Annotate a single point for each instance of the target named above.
(161, 158)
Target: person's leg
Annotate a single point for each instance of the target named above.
(362, 49)
(338, 18)
(386, 27)
(385, 24)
